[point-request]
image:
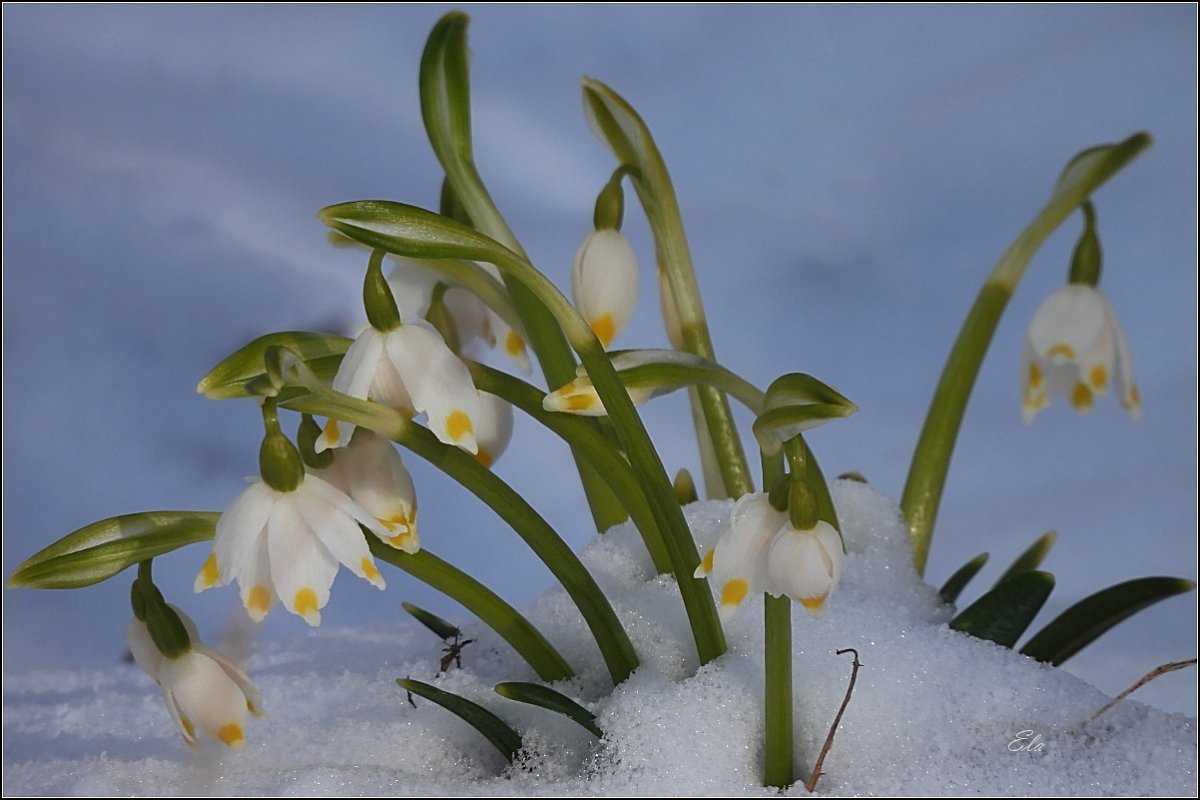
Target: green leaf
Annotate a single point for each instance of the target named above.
(1031, 558)
(538, 695)
(98, 551)
(953, 587)
(798, 388)
(773, 428)
(440, 627)
(321, 351)
(411, 231)
(505, 739)
(1087, 620)
(1003, 614)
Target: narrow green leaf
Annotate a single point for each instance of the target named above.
(411, 231)
(440, 627)
(799, 388)
(505, 739)
(1087, 620)
(1031, 558)
(98, 551)
(774, 427)
(953, 587)
(1003, 614)
(538, 695)
(321, 351)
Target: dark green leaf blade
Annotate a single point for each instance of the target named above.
(494, 729)
(98, 551)
(440, 627)
(411, 231)
(954, 585)
(538, 695)
(1032, 557)
(1087, 620)
(321, 351)
(1003, 614)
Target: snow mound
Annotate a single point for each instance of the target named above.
(934, 712)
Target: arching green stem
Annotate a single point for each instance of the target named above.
(931, 458)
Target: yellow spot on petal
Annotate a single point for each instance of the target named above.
(484, 457)
(707, 564)
(605, 329)
(400, 540)
(305, 604)
(1098, 378)
(369, 569)
(1081, 397)
(1064, 350)
(189, 733)
(259, 600)
(232, 735)
(458, 425)
(331, 432)
(514, 345)
(210, 573)
(1035, 376)
(579, 402)
(734, 592)
(814, 604)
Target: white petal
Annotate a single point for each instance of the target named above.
(205, 696)
(412, 285)
(237, 675)
(145, 652)
(604, 282)
(438, 382)
(806, 565)
(1068, 323)
(739, 562)
(380, 483)
(237, 535)
(339, 533)
(253, 575)
(1123, 370)
(302, 570)
(357, 370)
(495, 428)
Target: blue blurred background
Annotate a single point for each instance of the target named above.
(848, 176)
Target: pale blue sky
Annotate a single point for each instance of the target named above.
(847, 177)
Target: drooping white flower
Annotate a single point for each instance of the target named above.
(806, 565)
(411, 369)
(581, 398)
(413, 284)
(1075, 347)
(205, 692)
(604, 282)
(758, 550)
(371, 471)
(287, 545)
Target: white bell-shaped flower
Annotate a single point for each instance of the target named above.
(604, 282)
(288, 545)
(495, 428)
(205, 692)
(806, 565)
(371, 471)
(411, 369)
(1075, 347)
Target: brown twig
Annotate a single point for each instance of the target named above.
(816, 773)
(1149, 676)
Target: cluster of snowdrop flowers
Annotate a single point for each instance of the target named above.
(1075, 347)
(760, 550)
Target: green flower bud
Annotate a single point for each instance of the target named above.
(610, 204)
(1086, 260)
(306, 439)
(777, 495)
(279, 461)
(137, 601)
(377, 297)
(685, 488)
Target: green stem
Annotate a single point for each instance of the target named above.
(596, 450)
(446, 110)
(777, 627)
(485, 604)
(935, 446)
(616, 120)
(610, 636)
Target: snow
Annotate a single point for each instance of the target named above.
(934, 712)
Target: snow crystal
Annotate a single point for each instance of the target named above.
(934, 711)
